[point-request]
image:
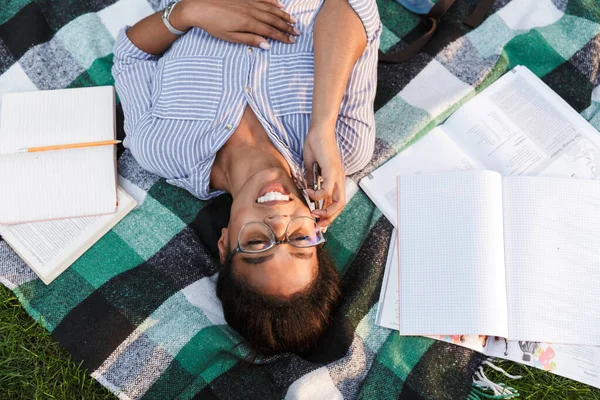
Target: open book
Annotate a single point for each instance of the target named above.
(450, 147)
(61, 183)
(516, 126)
(516, 257)
(50, 247)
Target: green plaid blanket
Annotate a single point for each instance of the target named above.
(139, 308)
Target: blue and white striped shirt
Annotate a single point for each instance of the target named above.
(181, 108)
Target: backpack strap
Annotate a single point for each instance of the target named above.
(412, 49)
(433, 18)
(479, 12)
(440, 8)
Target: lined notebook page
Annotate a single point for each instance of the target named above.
(451, 254)
(63, 183)
(32, 119)
(552, 239)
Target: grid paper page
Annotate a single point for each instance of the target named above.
(452, 278)
(434, 152)
(552, 239)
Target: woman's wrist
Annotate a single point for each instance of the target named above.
(179, 15)
(323, 124)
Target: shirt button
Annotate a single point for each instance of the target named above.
(228, 127)
(249, 50)
(246, 89)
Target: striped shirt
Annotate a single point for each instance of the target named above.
(180, 108)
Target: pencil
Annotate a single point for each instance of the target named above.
(69, 146)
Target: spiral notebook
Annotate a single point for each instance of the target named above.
(62, 183)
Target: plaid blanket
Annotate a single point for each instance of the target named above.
(139, 308)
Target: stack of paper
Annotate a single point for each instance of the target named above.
(549, 256)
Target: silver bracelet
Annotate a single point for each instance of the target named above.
(165, 17)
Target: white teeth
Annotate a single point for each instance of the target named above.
(272, 196)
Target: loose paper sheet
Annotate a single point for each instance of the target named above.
(435, 152)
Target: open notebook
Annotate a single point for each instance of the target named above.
(578, 362)
(516, 257)
(63, 183)
(50, 247)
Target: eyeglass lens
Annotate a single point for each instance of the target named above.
(301, 232)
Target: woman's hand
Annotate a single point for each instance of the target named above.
(248, 22)
(321, 146)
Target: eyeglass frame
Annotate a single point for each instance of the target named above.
(277, 242)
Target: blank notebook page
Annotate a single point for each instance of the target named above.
(451, 254)
(62, 183)
(552, 237)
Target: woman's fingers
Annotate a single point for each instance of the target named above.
(317, 195)
(334, 208)
(276, 22)
(324, 223)
(276, 11)
(324, 201)
(328, 215)
(266, 30)
(249, 39)
(275, 3)
(328, 192)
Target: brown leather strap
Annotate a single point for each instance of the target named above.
(439, 8)
(479, 12)
(415, 47)
(412, 49)
(436, 12)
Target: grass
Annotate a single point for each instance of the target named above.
(537, 384)
(34, 366)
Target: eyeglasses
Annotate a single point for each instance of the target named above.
(256, 237)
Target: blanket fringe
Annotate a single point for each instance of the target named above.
(482, 383)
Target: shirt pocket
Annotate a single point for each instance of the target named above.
(291, 82)
(190, 88)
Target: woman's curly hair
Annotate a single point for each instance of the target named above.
(275, 324)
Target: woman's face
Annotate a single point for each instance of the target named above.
(282, 270)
